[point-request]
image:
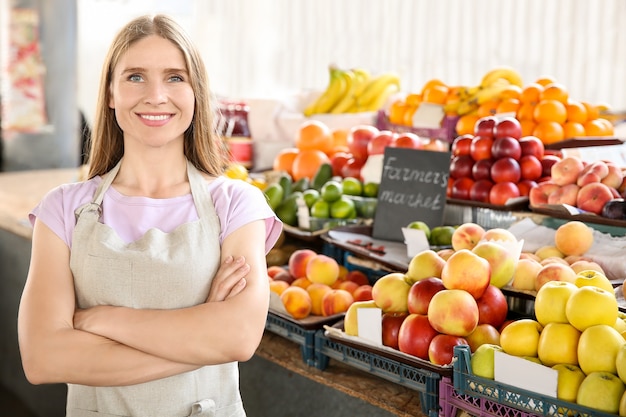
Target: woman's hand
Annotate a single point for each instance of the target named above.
(229, 280)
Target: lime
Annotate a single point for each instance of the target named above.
(320, 209)
(420, 225)
(352, 186)
(343, 208)
(287, 212)
(310, 196)
(274, 194)
(370, 189)
(331, 191)
(441, 235)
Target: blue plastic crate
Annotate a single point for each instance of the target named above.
(372, 274)
(303, 337)
(425, 381)
(466, 383)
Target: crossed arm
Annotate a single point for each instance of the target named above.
(109, 345)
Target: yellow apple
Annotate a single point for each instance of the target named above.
(620, 363)
(569, 378)
(525, 274)
(521, 337)
(465, 270)
(551, 300)
(558, 343)
(484, 333)
(620, 326)
(501, 260)
(590, 306)
(622, 405)
(548, 251)
(601, 391)
(482, 360)
(390, 292)
(598, 347)
(425, 264)
(350, 321)
(593, 278)
(453, 312)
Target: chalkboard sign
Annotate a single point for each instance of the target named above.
(412, 187)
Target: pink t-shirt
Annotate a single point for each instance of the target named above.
(236, 203)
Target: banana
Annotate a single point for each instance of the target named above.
(508, 73)
(337, 85)
(374, 88)
(345, 102)
(492, 92)
(466, 107)
(379, 101)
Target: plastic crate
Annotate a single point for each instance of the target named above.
(424, 381)
(531, 403)
(303, 337)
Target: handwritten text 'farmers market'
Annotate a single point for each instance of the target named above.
(408, 177)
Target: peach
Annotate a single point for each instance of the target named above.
(554, 272)
(273, 270)
(302, 282)
(567, 170)
(538, 196)
(322, 269)
(445, 253)
(566, 194)
(357, 276)
(298, 261)
(336, 301)
(363, 293)
(278, 286)
(553, 259)
(548, 251)
(615, 176)
(317, 292)
(573, 238)
(592, 197)
(297, 302)
(499, 234)
(349, 286)
(585, 265)
(343, 272)
(529, 255)
(525, 274)
(466, 236)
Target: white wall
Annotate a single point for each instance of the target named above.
(261, 48)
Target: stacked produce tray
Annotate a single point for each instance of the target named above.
(470, 391)
(294, 332)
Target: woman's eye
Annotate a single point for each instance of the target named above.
(176, 78)
(135, 77)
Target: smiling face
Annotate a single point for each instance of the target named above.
(151, 94)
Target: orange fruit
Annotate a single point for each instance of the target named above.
(545, 80)
(528, 126)
(598, 127)
(396, 112)
(465, 124)
(576, 111)
(554, 91)
(407, 120)
(511, 91)
(413, 99)
(573, 130)
(530, 93)
(313, 134)
(434, 82)
(549, 132)
(307, 162)
(488, 108)
(283, 161)
(508, 105)
(525, 111)
(592, 111)
(436, 94)
(550, 110)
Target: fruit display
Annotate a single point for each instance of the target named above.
(354, 90)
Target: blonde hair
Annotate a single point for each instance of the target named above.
(202, 145)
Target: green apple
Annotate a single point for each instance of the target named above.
(425, 264)
(558, 343)
(601, 391)
(598, 347)
(441, 235)
(521, 337)
(551, 300)
(590, 306)
(569, 378)
(482, 360)
(501, 260)
(420, 225)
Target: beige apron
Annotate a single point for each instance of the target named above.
(158, 271)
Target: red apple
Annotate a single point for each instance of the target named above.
(480, 147)
(502, 192)
(524, 187)
(407, 140)
(480, 190)
(461, 188)
(530, 167)
(538, 195)
(532, 145)
(358, 138)
(465, 270)
(506, 169)
(546, 164)
(441, 349)
(484, 126)
(461, 166)
(338, 160)
(507, 126)
(352, 168)
(567, 170)
(506, 146)
(492, 307)
(481, 170)
(415, 335)
(377, 145)
(421, 292)
(593, 197)
(391, 323)
(461, 145)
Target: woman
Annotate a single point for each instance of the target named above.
(148, 281)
